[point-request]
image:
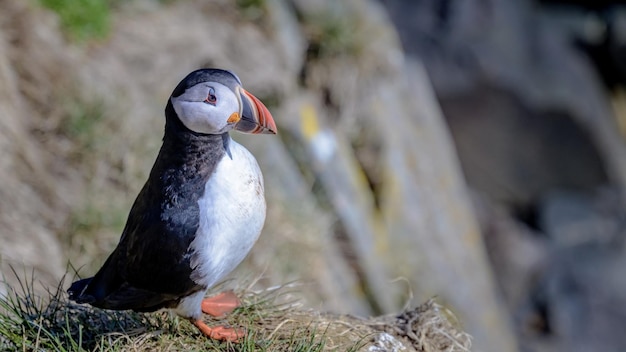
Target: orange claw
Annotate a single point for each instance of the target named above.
(219, 332)
(220, 304)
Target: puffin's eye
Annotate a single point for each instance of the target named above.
(211, 98)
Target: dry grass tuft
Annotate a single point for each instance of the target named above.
(271, 317)
(429, 327)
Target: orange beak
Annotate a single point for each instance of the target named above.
(255, 117)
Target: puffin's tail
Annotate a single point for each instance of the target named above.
(77, 290)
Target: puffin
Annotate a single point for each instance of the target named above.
(198, 214)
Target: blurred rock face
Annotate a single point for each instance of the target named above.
(516, 154)
(526, 92)
(517, 96)
(27, 195)
(363, 184)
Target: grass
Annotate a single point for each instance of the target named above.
(271, 318)
(83, 124)
(332, 34)
(31, 322)
(253, 10)
(82, 19)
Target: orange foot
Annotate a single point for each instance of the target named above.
(219, 332)
(220, 304)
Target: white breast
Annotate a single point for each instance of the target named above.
(232, 213)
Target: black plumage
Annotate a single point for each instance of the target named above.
(165, 216)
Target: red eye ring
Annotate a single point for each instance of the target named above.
(211, 98)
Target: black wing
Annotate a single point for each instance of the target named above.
(150, 268)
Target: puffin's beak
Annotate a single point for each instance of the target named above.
(255, 117)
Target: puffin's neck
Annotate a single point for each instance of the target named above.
(187, 158)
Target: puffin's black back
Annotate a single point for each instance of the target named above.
(150, 268)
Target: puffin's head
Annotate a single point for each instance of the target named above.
(212, 101)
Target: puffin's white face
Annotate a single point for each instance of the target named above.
(208, 107)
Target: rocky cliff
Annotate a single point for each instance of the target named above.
(368, 206)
